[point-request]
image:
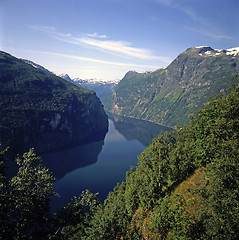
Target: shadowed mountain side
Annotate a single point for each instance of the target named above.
(41, 110)
(43, 143)
(132, 128)
(63, 162)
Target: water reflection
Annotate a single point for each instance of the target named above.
(131, 128)
(99, 166)
(21, 140)
(60, 161)
(121, 130)
(115, 158)
(65, 161)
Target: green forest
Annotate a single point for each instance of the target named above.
(25, 89)
(185, 186)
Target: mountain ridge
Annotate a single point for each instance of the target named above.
(169, 96)
(36, 65)
(101, 87)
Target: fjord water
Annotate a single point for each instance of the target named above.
(100, 165)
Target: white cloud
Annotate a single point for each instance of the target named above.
(78, 66)
(85, 59)
(101, 43)
(118, 47)
(47, 29)
(206, 28)
(188, 10)
(95, 35)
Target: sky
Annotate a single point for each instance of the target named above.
(105, 39)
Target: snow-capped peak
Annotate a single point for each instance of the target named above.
(233, 51)
(202, 47)
(215, 52)
(64, 76)
(95, 81)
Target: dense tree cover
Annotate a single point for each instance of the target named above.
(74, 221)
(25, 200)
(186, 186)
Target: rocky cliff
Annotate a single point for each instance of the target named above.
(38, 109)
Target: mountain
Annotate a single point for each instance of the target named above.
(65, 76)
(170, 95)
(41, 110)
(35, 65)
(102, 88)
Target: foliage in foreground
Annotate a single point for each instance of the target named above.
(25, 200)
(186, 186)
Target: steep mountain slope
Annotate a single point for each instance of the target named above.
(169, 96)
(184, 187)
(36, 65)
(38, 109)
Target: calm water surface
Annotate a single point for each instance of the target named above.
(100, 165)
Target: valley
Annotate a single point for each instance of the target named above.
(118, 175)
(119, 120)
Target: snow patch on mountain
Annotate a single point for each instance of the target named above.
(94, 81)
(202, 47)
(233, 51)
(217, 52)
(35, 65)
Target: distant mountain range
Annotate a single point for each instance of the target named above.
(102, 88)
(170, 95)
